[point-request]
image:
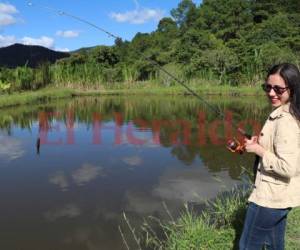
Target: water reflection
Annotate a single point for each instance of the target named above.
(191, 185)
(102, 156)
(80, 177)
(86, 173)
(133, 160)
(68, 211)
(11, 148)
(60, 180)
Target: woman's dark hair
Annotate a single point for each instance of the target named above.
(291, 76)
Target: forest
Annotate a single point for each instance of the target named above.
(225, 42)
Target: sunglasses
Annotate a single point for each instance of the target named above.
(278, 90)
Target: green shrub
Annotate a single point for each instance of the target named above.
(24, 77)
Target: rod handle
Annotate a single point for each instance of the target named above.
(243, 132)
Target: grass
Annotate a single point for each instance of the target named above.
(293, 230)
(28, 97)
(143, 88)
(179, 90)
(218, 226)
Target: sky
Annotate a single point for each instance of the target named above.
(40, 22)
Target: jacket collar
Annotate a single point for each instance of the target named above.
(279, 111)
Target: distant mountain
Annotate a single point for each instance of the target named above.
(19, 55)
(84, 50)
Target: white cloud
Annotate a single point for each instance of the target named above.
(62, 49)
(7, 40)
(42, 41)
(67, 33)
(6, 14)
(8, 8)
(138, 16)
(6, 19)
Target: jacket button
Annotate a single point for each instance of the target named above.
(261, 134)
(271, 167)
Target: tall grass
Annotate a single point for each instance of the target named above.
(25, 78)
(90, 75)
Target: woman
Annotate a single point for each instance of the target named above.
(277, 182)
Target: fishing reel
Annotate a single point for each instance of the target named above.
(235, 146)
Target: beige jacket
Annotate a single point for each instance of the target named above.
(277, 184)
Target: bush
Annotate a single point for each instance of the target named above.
(24, 77)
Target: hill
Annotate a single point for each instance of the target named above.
(19, 55)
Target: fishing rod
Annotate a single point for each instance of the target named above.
(233, 144)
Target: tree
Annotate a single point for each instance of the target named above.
(222, 61)
(195, 42)
(167, 26)
(184, 11)
(105, 55)
(224, 18)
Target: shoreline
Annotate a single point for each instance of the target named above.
(218, 226)
(47, 94)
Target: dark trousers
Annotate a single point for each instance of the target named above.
(263, 227)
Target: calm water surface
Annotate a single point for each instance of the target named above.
(101, 156)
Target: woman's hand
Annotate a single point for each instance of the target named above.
(252, 146)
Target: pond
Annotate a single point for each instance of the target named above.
(70, 168)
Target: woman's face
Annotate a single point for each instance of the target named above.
(277, 99)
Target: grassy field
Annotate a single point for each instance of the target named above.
(46, 94)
